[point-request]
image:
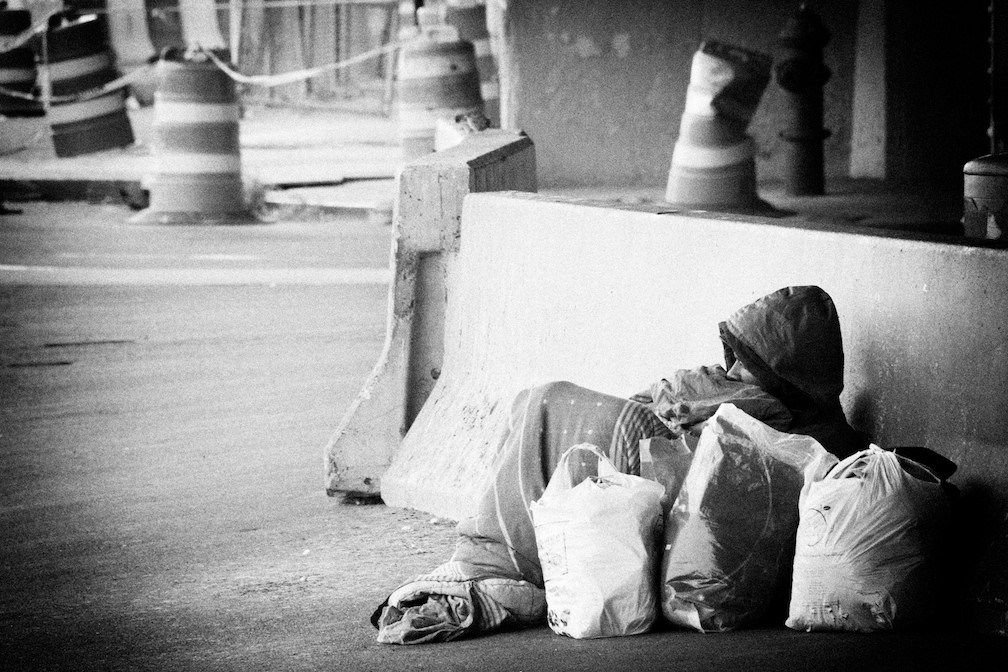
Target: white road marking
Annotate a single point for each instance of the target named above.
(87, 275)
(152, 257)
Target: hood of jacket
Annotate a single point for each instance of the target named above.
(790, 340)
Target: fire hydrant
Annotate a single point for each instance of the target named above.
(801, 74)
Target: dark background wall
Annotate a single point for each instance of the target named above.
(600, 85)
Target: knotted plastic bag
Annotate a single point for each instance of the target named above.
(866, 548)
(729, 540)
(598, 534)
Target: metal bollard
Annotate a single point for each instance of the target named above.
(801, 74)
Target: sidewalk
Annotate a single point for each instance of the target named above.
(319, 164)
(310, 163)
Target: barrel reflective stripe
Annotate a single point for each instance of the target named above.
(426, 66)
(441, 92)
(481, 47)
(696, 156)
(68, 113)
(490, 90)
(17, 75)
(206, 138)
(174, 163)
(175, 112)
(699, 102)
(76, 67)
(711, 131)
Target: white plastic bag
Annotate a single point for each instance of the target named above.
(598, 540)
(866, 546)
(729, 540)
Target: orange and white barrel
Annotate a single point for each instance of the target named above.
(18, 72)
(80, 61)
(713, 160)
(437, 79)
(197, 173)
(469, 18)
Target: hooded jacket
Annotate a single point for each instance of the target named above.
(790, 341)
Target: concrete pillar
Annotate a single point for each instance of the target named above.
(868, 118)
(425, 242)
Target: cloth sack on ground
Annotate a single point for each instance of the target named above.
(867, 547)
(598, 535)
(729, 540)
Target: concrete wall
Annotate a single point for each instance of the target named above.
(616, 298)
(600, 86)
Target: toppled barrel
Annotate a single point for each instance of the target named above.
(713, 164)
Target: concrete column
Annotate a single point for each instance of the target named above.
(868, 119)
(425, 243)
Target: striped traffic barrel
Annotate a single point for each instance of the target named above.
(197, 174)
(80, 62)
(713, 160)
(437, 79)
(18, 72)
(469, 18)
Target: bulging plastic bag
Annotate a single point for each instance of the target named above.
(866, 551)
(729, 540)
(598, 539)
(666, 462)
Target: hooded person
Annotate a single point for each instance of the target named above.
(784, 366)
(790, 342)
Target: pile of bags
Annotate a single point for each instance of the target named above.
(752, 526)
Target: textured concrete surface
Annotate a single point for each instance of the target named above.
(616, 298)
(161, 500)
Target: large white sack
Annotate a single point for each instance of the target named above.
(866, 547)
(729, 540)
(598, 540)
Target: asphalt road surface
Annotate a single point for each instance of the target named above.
(165, 397)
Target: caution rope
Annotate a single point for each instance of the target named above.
(104, 89)
(300, 75)
(9, 43)
(257, 80)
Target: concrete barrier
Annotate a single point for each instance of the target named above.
(425, 243)
(614, 298)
